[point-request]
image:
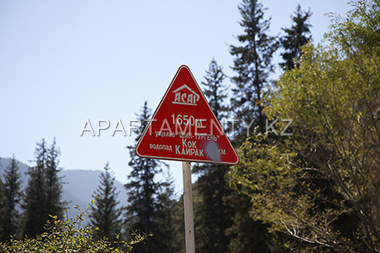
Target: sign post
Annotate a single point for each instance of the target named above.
(188, 207)
(184, 128)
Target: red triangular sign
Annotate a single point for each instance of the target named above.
(184, 128)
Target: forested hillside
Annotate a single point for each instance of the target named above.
(78, 185)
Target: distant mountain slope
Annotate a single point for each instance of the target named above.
(82, 184)
(78, 187)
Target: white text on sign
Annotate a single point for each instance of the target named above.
(186, 120)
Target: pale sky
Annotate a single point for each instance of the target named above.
(65, 62)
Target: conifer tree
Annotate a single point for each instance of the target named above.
(215, 90)
(212, 215)
(252, 64)
(1, 204)
(295, 38)
(12, 196)
(54, 204)
(35, 215)
(105, 215)
(166, 214)
(43, 193)
(142, 214)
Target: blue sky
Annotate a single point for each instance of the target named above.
(65, 62)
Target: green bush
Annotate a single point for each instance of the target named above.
(69, 235)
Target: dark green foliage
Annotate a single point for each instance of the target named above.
(35, 215)
(105, 214)
(212, 215)
(144, 212)
(166, 215)
(215, 90)
(10, 200)
(246, 235)
(2, 209)
(178, 222)
(43, 193)
(54, 205)
(252, 64)
(295, 38)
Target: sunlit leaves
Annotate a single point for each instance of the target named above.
(321, 184)
(69, 235)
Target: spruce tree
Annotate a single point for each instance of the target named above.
(166, 214)
(12, 196)
(35, 215)
(252, 65)
(143, 214)
(54, 204)
(246, 234)
(295, 38)
(43, 193)
(2, 209)
(105, 215)
(215, 90)
(213, 216)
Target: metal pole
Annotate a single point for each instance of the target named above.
(188, 207)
